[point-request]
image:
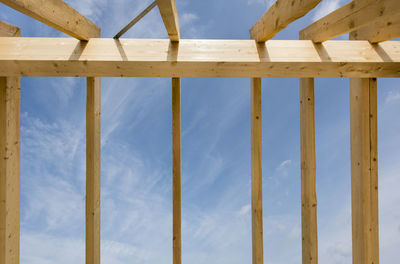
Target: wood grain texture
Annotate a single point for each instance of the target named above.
(364, 177)
(256, 172)
(176, 171)
(169, 15)
(350, 17)
(8, 30)
(384, 29)
(10, 105)
(93, 145)
(308, 171)
(279, 16)
(57, 14)
(197, 58)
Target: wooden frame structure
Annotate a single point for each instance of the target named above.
(365, 57)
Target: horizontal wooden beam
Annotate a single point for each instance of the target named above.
(350, 17)
(381, 30)
(57, 14)
(279, 16)
(169, 15)
(197, 58)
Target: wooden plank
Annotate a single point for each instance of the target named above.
(256, 172)
(176, 170)
(364, 169)
(10, 101)
(57, 14)
(93, 144)
(308, 171)
(8, 30)
(364, 173)
(350, 17)
(169, 15)
(197, 58)
(381, 30)
(279, 16)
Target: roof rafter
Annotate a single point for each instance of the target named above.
(8, 30)
(57, 14)
(350, 17)
(169, 15)
(197, 58)
(279, 16)
(384, 29)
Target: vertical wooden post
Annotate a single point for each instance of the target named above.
(256, 172)
(93, 107)
(176, 171)
(10, 103)
(364, 170)
(308, 171)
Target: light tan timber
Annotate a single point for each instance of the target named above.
(7, 30)
(279, 16)
(308, 171)
(381, 30)
(256, 172)
(350, 17)
(176, 170)
(10, 101)
(93, 107)
(197, 58)
(57, 14)
(364, 169)
(169, 15)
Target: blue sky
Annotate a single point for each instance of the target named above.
(136, 221)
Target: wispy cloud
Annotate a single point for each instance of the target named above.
(325, 8)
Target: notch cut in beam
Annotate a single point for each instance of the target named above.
(308, 171)
(350, 17)
(176, 171)
(135, 20)
(279, 16)
(10, 105)
(256, 172)
(169, 15)
(57, 14)
(197, 58)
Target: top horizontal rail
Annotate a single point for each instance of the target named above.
(197, 58)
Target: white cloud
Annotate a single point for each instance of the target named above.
(325, 8)
(392, 96)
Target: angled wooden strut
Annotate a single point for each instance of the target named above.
(58, 15)
(10, 101)
(135, 20)
(350, 17)
(279, 16)
(197, 58)
(169, 15)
